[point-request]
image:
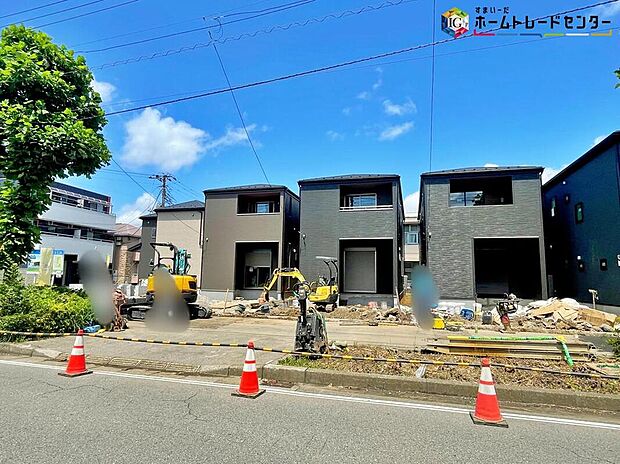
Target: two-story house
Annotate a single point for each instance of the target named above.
(482, 232)
(582, 225)
(358, 220)
(248, 232)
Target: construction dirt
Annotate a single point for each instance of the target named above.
(502, 376)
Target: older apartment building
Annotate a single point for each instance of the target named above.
(249, 231)
(482, 232)
(76, 222)
(358, 220)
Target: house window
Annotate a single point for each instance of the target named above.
(364, 200)
(258, 204)
(579, 213)
(256, 276)
(411, 235)
(481, 191)
(553, 207)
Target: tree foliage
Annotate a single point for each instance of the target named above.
(50, 127)
(618, 76)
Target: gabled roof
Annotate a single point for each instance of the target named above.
(243, 188)
(185, 206)
(483, 170)
(127, 230)
(149, 216)
(350, 177)
(602, 146)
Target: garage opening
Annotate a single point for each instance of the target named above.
(367, 266)
(507, 265)
(254, 263)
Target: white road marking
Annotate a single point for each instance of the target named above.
(324, 396)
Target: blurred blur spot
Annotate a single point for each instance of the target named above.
(169, 312)
(97, 285)
(425, 296)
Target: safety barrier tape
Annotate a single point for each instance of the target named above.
(316, 355)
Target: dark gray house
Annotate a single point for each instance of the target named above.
(482, 232)
(582, 225)
(248, 232)
(358, 220)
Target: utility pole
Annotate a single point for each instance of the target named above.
(163, 178)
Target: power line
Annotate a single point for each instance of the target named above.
(165, 194)
(250, 35)
(118, 5)
(54, 13)
(247, 133)
(284, 7)
(163, 26)
(334, 66)
(33, 9)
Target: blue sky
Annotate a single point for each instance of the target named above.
(541, 102)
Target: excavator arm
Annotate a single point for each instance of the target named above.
(292, 272)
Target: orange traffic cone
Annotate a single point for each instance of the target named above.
(77, 359)
(487, 407)
(248, 386)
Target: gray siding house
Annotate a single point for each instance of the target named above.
(582, 225)
(248, 232)
(482, 232)
(358, 220)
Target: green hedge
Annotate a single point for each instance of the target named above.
(41, 309)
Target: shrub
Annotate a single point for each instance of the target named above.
(614, 342)
(41, 309)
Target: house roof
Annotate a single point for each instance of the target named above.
(149, 216)
(127, 230)
(603, 145)
(349, 177)
(185, 206)
(483, 170)
(250, 188)
(238, 188)
(80, 191)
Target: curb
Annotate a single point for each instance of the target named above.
(355, 380)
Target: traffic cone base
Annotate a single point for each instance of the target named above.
(477, 421)
(487, 407)
(77, 360)
(248, 386)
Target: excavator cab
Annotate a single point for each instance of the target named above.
(178, 266)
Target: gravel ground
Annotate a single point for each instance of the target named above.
(501, 376)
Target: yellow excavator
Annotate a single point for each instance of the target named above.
(322, 293)
(178, 266)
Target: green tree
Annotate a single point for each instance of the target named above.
(50, 127)
(618, 76)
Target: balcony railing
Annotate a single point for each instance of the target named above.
(366, 208)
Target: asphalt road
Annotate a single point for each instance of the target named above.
(116, 417)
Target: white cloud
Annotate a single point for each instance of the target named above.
(411, 202)
(598, 139)
(379, 82)
(162, 142)
(104, 89)
(491, 165)
(606, 11)
(334, 136)
(393, 132)
(548, 174)
(130, 213)
(233, 136)
(346, 111)
(394, 109)
(365, 95)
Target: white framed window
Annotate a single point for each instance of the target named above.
(363, 200)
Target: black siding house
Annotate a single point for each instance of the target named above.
(482, 232)
(582, 225)
(358, 220)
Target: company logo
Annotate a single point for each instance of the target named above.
(455, 22)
